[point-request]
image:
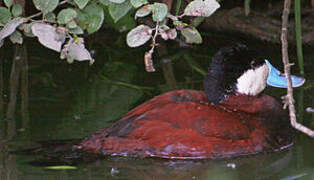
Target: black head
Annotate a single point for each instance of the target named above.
(228, 66)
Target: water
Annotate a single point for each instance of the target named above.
(72, 101)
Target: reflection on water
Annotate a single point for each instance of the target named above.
(71, 101)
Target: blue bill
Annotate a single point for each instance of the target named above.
(276, 79)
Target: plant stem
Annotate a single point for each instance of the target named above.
(287, 65)
(149, 66)
(193, 65)
(247, 7)
(178, 7)
(155, 36)
(34, 15)
(297, 11)
(120, 83)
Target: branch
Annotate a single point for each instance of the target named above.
(285, 60)
(149, 66)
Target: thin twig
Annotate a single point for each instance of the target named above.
(149, 66)
(34, 15)
(285, 60)
(120, 83)
(155, 36)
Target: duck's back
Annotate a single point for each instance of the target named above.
(182, 124)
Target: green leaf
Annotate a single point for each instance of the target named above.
(117, 1)
(90, 18)
(48, 36)
(76, 30)
(95, 17)
(117, 11)
(138, 3)
(160, 11)
(10, 27)
(50, 16)
(5, 15)
(81, 18)
(16, 38)
(94, 23)
(8, 3)
(72, 24)
(139, 36)
(201, 8)
(17, 10)
(27, 29)
(191, 35)
(75, 50)
(66, 15)
(46, 6)
(105, 2)
(143, 11)
(81, 3)
(124, 24)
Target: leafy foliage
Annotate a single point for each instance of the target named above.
(81, 3)
(16, 10)
(201, 8)
(66, 15)
(16, 37)
(138, 3)
(75, 49)
(91, 18)
(159, 11)
(10, 28)
(60, 32)
(48, 36)
(8, 3)
(191, 35)
(118, 10)
(5, 16)
(46, 6)
(139, 36)
(144, 11)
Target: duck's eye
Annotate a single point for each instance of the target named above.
(253, 63)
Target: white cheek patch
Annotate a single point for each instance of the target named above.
(253, 81)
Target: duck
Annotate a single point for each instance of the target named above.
(231, 117)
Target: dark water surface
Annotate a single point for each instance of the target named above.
(71, 101)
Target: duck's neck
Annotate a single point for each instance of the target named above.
(218, 85)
